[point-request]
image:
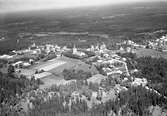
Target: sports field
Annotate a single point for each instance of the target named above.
(53, 70)
(46, 66)
(56, 77)
(50, 65)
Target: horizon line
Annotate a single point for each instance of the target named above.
(76, 7)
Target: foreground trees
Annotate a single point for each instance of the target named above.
(138, 99)
(134, 102)
(11, 88)
(153, 69)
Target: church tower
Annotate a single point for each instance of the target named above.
(74, 50)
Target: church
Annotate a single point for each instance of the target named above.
(78, 53)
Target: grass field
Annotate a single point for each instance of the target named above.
(150, 52)
(56, 77)
(46, 66)
(50, 65)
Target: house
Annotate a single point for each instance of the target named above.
(26, 64)
(18, 64)
(121, 48)
(6, 56)
(96, 79)
(107, 71)
(21, 64)
(118, 88)
(139, 81)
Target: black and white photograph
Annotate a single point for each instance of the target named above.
(83, 57)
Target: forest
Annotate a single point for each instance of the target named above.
(135, 102)
(12, 87)
(153, 69)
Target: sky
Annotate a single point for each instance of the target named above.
(25, 5)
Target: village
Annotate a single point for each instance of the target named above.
(158, 44)
(109, 72)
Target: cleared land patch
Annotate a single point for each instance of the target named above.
(150, 52)
(56, 77)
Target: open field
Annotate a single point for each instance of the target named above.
(150, 52)
(50, 65)
(54, 68)
(46, 66)
(56, 76)
(73, 64)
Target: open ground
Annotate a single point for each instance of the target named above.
(54, 68)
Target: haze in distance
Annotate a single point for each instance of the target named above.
(29, 5)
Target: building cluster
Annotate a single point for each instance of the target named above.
(26, 57)
(158, 44)
(128, 46)
(108, 62)
(45, 49)
(98, 48)
(22, 64)
(77, 53)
